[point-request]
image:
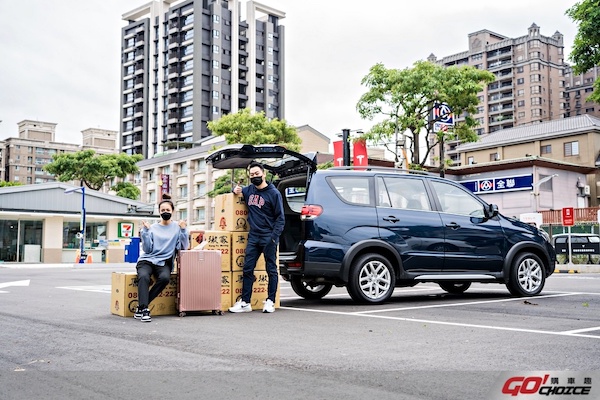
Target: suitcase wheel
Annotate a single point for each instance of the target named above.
(182, 314)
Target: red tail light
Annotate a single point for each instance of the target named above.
(310, 211)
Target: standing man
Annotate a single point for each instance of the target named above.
(266, 220)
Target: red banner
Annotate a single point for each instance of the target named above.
(360, 154)
(338, 153)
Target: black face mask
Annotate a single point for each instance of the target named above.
(166, 216)
(256, 180)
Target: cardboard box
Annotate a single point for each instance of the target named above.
(196, 237)
(124, 296)
(226, 289)
(220, 240)
(259, 289)
(231, 213)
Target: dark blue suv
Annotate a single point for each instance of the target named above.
(374, 229)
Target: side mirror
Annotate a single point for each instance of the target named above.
(491, 211)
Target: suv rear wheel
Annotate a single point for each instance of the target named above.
(310, 291)
(527, 276)
(372, 279)
(455, 287)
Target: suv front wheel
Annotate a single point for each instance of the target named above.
(527, 275)
(372, 279)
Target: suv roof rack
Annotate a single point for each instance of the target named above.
(384, 169)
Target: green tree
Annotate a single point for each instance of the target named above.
(91, 169)
(586, 46)
(247, 128)
(127, 190)
(5, 183)
(405, 99)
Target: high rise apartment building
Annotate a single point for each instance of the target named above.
(533, 82)
(185, 63)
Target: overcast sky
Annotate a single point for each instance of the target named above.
(59, 60)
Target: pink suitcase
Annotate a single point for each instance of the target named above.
(199, 278)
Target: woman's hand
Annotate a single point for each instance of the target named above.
(182, 224)
(145, 224)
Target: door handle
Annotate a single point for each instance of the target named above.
(391, 218)
(453, 225)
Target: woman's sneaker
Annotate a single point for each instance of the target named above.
(137, 313)
(146, 316)
(240, 306)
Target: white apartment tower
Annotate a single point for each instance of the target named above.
(185, 63)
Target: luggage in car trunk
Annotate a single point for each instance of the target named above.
(199, 279)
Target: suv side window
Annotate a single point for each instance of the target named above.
(457, 201)
(404, 193)
(352, 189)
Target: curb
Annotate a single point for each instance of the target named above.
(566, 271)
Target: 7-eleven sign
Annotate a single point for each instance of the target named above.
(125, 229)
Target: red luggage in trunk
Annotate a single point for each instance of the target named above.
(199, 277)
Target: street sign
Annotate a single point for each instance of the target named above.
(568, 216)
(442, 117)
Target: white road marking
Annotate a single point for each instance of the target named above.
(14, 283)
(425, 321)
(467, 303)
(574, 331)
(96, 288)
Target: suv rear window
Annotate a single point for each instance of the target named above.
(355, 190)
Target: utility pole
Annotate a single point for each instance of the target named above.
(346, 146)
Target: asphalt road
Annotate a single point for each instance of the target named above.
(59, 341)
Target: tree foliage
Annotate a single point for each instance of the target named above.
(91, 169)
(586, 46)
(127, 190)
(6, 184)
(245, 127)
(405, 99)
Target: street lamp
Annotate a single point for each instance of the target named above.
(346, 144)
(81, 233)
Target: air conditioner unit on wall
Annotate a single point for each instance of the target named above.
(586, 190)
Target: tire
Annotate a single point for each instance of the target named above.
(455, 287)
(527, 275)
(372, 279)
(310, 291)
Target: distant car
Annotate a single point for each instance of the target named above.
(371, 230)
(585, 247)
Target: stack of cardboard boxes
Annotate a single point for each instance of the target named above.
(230, 237)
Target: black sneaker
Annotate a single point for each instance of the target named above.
(137, 313)
(146, 316)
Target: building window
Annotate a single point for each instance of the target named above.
(521, 103)
(215, 64)
(571, 149)
(215, 94)
(183, 191)
(546, 149)
(215, 79)
(182, 214)
(536, 112)
(183, 168)
(470, 160)
(201, 165)
(477, 56)
(494, 157)
(216, 33)
(215, 109)
(535, 77)
(534, 66)
(520, 81)
(215, 49)
(536, 101)
(519, 70)
(536, 89)
(270, 50)
(199, 214)
(200, 189)
(521, 114)
(216, 19)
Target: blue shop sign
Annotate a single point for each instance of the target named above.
(496, 185)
